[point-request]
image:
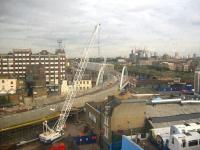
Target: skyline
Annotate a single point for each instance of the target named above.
(163, 26)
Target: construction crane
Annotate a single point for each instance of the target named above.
(51, 134)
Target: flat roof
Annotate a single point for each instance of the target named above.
(163, 115)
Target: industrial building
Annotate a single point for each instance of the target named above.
(165, 115)
(15, 63)
(115, 117)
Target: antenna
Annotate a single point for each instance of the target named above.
(59, 43)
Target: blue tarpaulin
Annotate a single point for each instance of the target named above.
(128, 144)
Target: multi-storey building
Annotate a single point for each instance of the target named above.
(15, 63)
(197, 82)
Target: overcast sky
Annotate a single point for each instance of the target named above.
(159, 25)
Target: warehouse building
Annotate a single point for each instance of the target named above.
(15, 63)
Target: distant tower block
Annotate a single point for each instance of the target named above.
(59, 44)
(176, 55)
(197, 81)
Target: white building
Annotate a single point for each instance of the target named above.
(8, 86)
(82, 85)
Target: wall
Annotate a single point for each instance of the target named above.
(128, 115)
(8, 84)
(96, 66)
(64, 87)
(84, 85)
(93, 116)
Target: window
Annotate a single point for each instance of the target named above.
(193, 143)
(11, 82)
(2, 81)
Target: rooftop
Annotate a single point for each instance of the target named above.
(163, 115)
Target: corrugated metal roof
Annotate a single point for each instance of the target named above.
(164, 115)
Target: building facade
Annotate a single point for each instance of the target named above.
(197, 82)
(16, 62)
(8, 86)
(81, 85)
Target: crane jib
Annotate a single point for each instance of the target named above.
(50, 134)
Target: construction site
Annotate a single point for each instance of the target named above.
(118, 111)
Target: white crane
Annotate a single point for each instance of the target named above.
(50, 134)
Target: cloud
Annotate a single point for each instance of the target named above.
(154, 24)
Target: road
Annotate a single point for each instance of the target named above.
(42, 112)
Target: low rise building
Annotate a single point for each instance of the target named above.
(115, 117)
(8, 86)
(12, 89)
(82, 86)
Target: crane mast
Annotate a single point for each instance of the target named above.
(49, 134)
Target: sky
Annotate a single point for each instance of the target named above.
(164, 26)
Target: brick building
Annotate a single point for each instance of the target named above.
(112, 118)
(15, 63)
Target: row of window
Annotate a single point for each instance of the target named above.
(22, 54)
(83, 82)
(20, 67)
(24, 63)
(32, 58)
(83, 88)
(3, 81)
